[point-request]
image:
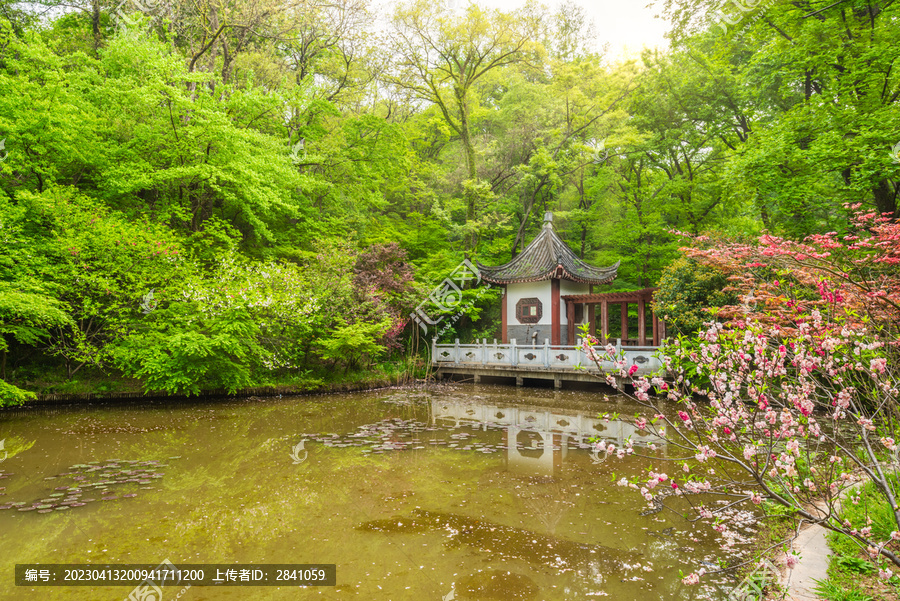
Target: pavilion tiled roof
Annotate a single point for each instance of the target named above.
(548, 257)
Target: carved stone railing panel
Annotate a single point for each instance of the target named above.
(536, 357)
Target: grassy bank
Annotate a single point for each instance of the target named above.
(851, 576)
(94, 384)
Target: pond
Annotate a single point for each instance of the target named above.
(449, 492)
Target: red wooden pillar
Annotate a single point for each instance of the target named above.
(624, 321)
(604, 322)
(642, 323)
(592, 319)
(504, 335)
(570, 317)
(554, 312)
(655, 330)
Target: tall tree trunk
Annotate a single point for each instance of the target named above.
(465, 134)
(885, 194)
(95, 24)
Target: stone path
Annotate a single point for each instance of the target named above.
(814, 552)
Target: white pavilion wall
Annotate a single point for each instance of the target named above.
(525, 333)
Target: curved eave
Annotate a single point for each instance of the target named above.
(564, 274)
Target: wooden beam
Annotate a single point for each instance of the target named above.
(570, 317)
(604, 322)
(642, 323)
(624, 306)
(655, 330)
(554, 312)
(613, 297)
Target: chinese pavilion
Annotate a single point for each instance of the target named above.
(549, 294)
(535, 283)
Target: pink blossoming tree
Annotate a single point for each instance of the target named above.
(790, 398)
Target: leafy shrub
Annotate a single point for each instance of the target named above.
(687, 290)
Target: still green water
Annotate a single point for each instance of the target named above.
(459, 492)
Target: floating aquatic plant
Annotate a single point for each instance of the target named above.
(95, 476)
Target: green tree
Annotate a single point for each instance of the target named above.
(439, 59)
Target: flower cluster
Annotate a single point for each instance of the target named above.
(791, 404)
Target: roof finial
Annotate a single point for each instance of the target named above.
(548, 219)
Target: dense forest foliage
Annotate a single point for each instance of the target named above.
(213, 194)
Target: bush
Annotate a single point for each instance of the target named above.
(688, 294)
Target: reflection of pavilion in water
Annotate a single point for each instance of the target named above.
(538, 439)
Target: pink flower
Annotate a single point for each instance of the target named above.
(791, 560)
(632, 370)
(692, 578)
(794, 447)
